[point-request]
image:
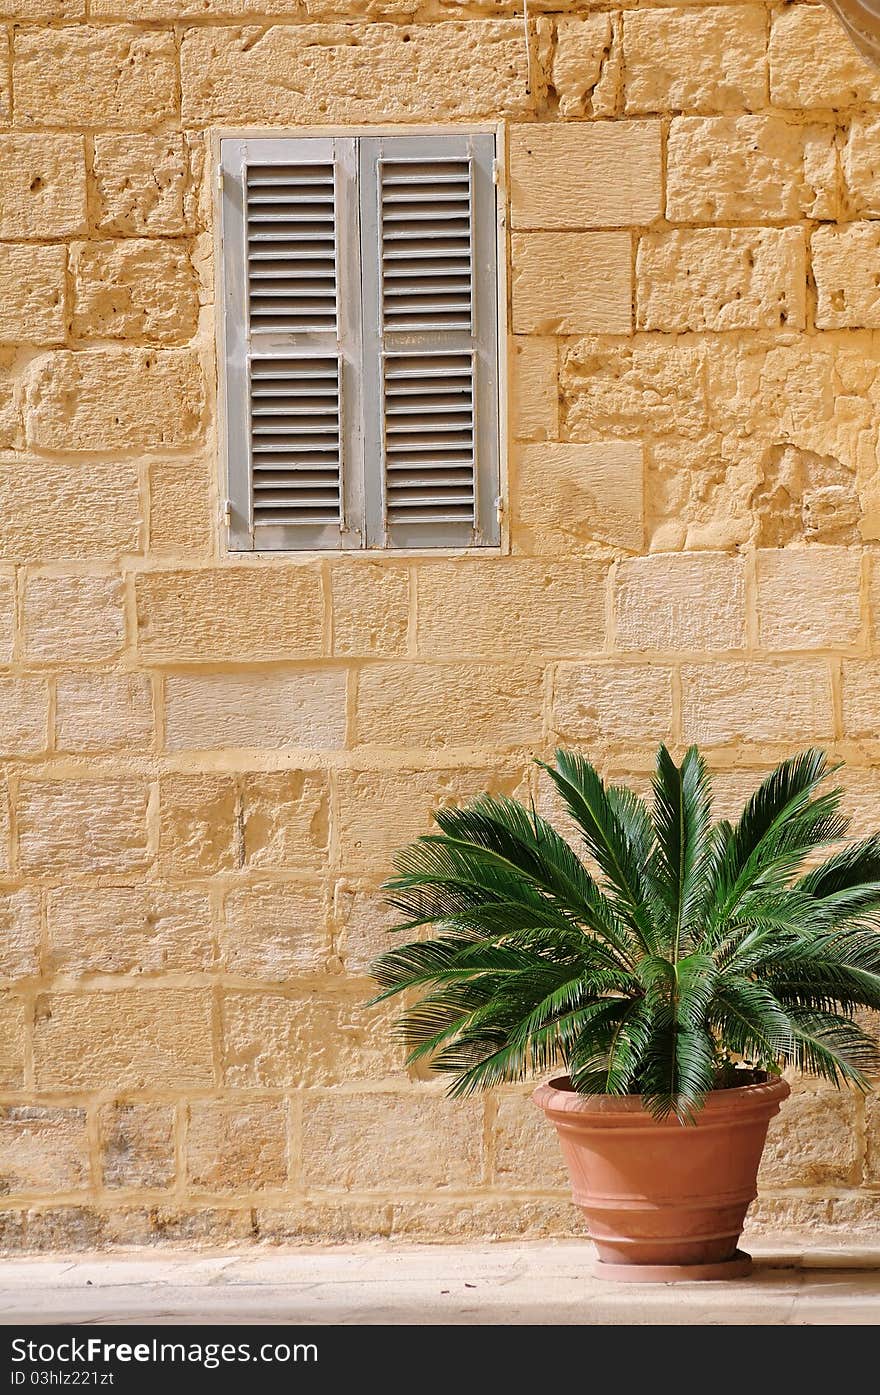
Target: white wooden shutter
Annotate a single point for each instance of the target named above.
(292, 342)
(428, 239)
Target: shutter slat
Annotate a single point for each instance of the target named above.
(296, 450)
(429, 440)
(425, 216)
(293, 209)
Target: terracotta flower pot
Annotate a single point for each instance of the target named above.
(664, 1200)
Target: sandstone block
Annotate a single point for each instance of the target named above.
(24, 712)
(843, 78)
(861, 788)
(384, 1142)
(146, 185)
(861, 166)
(32, 302)
(198, 825)
(808, 598)
(812, 1142)
(180, 507)
(353, 72)
(586, 65)
(727, 703)
(370, 608)
(128, 930)
(127, 399)
(721, 279)
(19, 933)
(601, 174)
(521, 608)
(428, 705)
(845, 261)
(124, 1040)
(367, 842)
(134, 289)
(188, 1225)
(96, 712)
(534, 394)
(82, 827)
(42, 1150)
(872, 1140)
(710, 59)
(42, 9)
(612, 702)
(273, 933)
(567, 495)
(230, 613)
(861, 718)
(302, 707)
(7, 617)
(14, 1022)
(43, 518)
(747, 169)
(44, 185)
(237, 1147)
(137, 1144)
(285, 820)
(680, 602)
(73, 618)
(572, 282)
(527, 1153)
(277, 1039)
(90, 75)
(362, 921)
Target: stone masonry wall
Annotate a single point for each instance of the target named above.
(207, 760)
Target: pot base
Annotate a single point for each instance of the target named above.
(736, 1268)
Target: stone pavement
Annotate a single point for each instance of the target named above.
(530, 1282)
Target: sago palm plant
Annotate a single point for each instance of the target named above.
(690, 945)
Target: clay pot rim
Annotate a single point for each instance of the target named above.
(557, 1097)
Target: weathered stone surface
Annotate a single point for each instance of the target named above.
(180, 507)
(44, 185)
(187, 1224)
(534, 394)
(285, 820)
(525, 607)
(279, 1039)
(527, 1153)
(600, 174)
(130, 399)
(19, 933)
(721, 279)
(138, 289)
(428, 705)
(42, 1150)
(199, 830)
(230, 613)
(586, 65)
(146, 185)
(808, 598)
(273, 933)
(98, 712)
(13, 1017)
(861, 166)
(32, 300)
(124, 1039)
(128, 930)
(137, 1145)
(730, 703)
(237, 1147)
(371, 603)
(77, 618)
(362, 921)
(100, 75)
(861, 713)
(43, 517)
(303, 707)
(669, 602)
(82, 827)
(812, 1142)
(612, 702)
(572, 282)
(842, 78)
(24, 714)
(382, 1142)
(845, 261)
(748, 169)
(565, 496)
(711, 58)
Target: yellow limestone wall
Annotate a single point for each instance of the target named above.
(207, 761)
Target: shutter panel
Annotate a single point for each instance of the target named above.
(430, 340)
(292, 342)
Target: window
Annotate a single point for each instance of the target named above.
(360, 333)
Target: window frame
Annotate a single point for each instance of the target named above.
(228, 441)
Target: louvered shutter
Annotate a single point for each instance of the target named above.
(292, 347)
(428, 236)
